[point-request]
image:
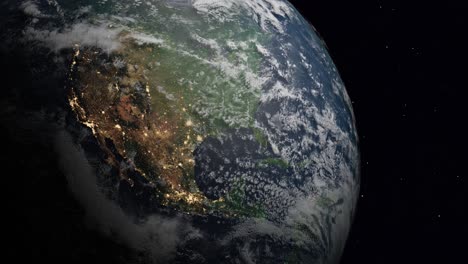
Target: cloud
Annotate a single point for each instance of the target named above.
(141, 38)
(264, 12)
(83, 34)
(157, 236)
(31, 8)
(102, 36)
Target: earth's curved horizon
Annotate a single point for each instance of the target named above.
(198, 131)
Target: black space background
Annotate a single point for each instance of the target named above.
(404, 64)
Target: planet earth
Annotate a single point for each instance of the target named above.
(197, 131)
